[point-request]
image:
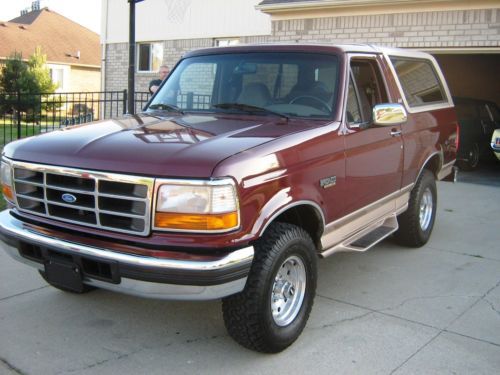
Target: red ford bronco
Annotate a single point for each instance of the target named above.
(248, 164)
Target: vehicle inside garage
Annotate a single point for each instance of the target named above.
(473, 80)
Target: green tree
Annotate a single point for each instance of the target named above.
(39, 74)
(22, 82)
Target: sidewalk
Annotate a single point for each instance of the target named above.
(434, 310)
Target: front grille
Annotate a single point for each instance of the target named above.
(115, 202)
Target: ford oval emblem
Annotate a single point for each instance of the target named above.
(68, 198)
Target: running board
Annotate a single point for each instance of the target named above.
(366, 238)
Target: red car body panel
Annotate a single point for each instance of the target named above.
(275, 162)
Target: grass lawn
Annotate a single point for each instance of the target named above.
(8, 133)
(8, 129)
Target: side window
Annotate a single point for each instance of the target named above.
(353, 113)
(367, 86)
(419, 81)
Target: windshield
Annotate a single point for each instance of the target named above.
(286, 84)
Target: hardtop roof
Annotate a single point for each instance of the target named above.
(310, 48)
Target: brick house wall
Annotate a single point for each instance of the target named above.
(85, 79)
(437, 29)
(117, 62)
(464, 28)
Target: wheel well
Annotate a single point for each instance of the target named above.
(306, 217)
(433, 165)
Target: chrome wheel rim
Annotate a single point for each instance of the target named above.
(289, 289)
(426, 206)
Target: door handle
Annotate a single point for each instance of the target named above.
(395, 133)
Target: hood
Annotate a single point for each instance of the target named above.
(146, 144)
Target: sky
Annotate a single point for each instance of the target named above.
(85, 12)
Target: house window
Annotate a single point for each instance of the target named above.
(57, 76)
(149, 57)
(226, 42)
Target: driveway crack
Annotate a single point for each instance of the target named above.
(23, 293)
(482, 297)
(11, 367)
(492, 306)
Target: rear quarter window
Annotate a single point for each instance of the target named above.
(419, 81)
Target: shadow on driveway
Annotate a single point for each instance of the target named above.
(486, 174)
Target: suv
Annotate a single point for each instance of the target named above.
(248, 164)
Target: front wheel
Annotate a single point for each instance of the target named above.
(417, 222)
(272, 310)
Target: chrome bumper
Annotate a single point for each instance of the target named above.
(161, 278)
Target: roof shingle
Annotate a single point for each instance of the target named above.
(59, 38)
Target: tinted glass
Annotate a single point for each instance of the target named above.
(370, 89)
(293, 84)
(353, 113)
(144, 54)
(419, 81)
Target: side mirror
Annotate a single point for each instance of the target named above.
(389, 114)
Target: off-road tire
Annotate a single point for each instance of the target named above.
(410, 232)
(86, 288)
(248, 315)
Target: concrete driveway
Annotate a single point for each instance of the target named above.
(434, 310)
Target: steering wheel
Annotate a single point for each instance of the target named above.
(322, 104)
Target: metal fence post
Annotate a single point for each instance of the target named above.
(124, 101)
(18, 111)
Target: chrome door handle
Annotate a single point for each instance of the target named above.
(395, 133)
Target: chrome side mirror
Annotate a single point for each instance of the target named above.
(389, 114)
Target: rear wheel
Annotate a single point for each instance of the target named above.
(417, 222)
(272, 310)
(472, 160)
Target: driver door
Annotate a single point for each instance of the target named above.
(374, 154)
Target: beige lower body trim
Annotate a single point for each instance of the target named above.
(351, 226)
(446, 170)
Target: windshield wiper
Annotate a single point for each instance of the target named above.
(166, 107)
(249, 108)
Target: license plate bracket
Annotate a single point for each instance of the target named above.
(65, 275)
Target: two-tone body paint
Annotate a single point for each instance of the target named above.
(276, 164)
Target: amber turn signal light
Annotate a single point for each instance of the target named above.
(7, 193)
(168, 220)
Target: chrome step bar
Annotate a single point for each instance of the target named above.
(366, 238)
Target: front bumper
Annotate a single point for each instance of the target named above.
(183, 278)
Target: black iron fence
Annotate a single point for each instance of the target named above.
(24, 115)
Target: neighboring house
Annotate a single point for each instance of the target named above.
(73, 51)
(463, 35)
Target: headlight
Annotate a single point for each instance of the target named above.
(197, 206)
(6, 177)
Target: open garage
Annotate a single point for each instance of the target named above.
(472, 75)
